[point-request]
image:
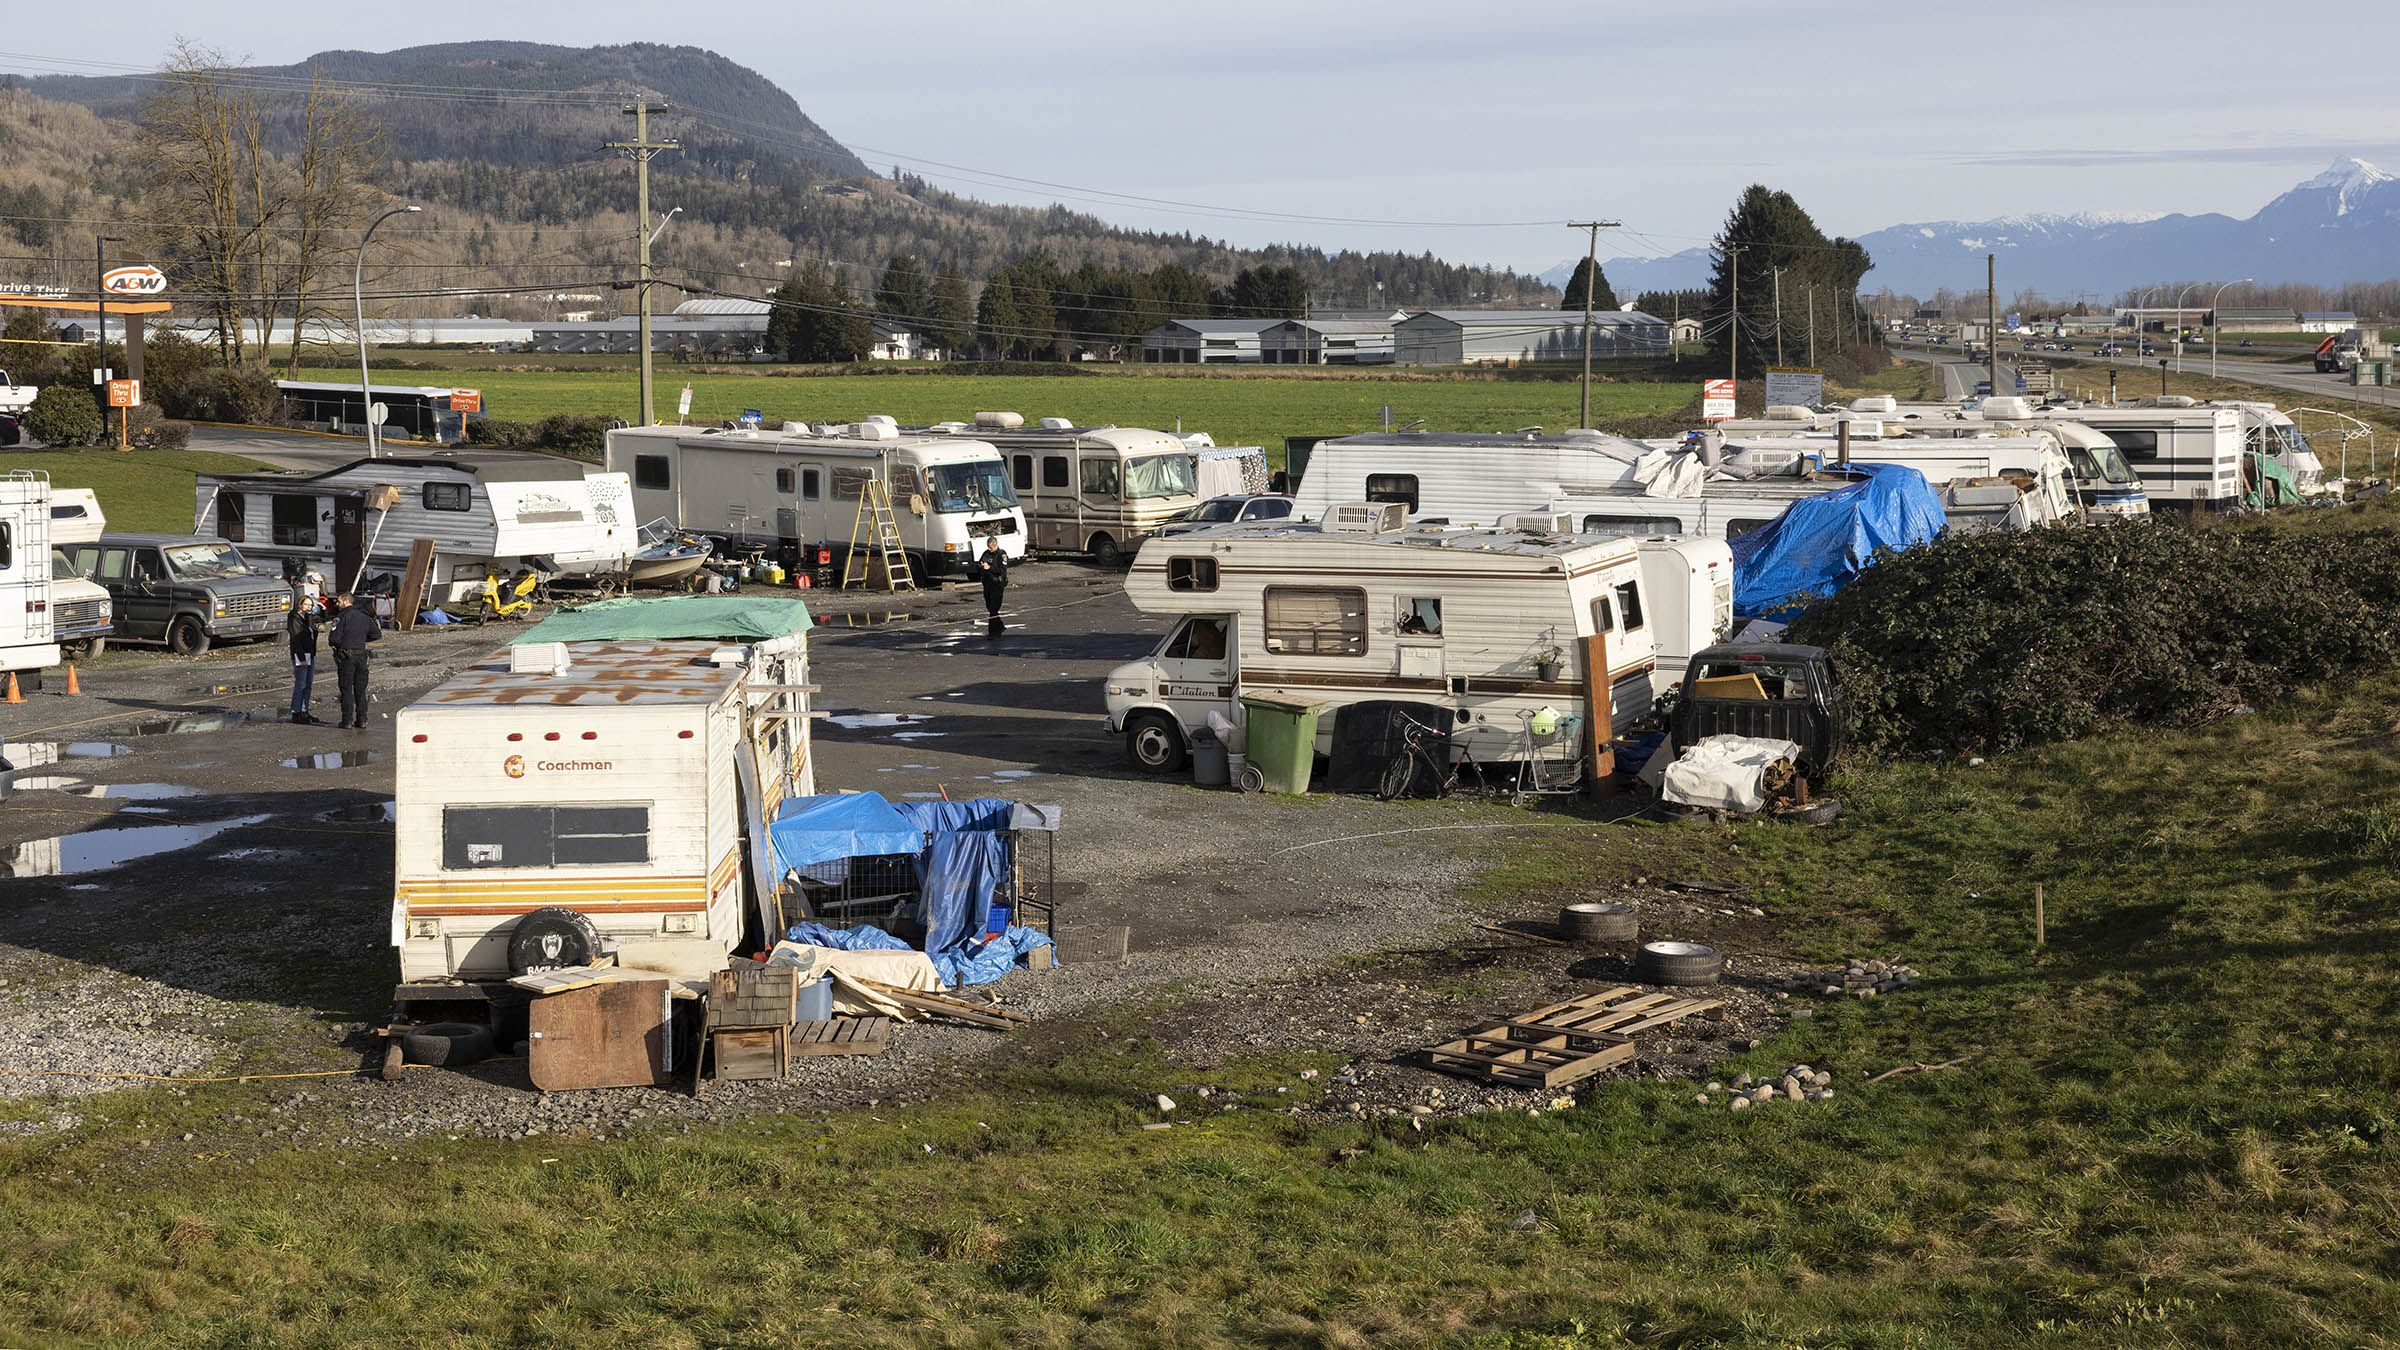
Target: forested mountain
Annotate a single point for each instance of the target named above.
(500, 142)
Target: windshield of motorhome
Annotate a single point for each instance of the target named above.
(199, 562)
(978, 486)
(2103, 464)
(1161, 476)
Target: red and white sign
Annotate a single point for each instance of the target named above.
(139, 280)
(466, 400)
(1716, 400)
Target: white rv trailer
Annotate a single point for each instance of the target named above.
(1363, 607)
(2189, 455)
(1095, 490)
(1986, 480)
(486, 511)
(2105, 487)
(80, 614)
(614, 779)
(798, 490)
(26, 639)
(1689, 584)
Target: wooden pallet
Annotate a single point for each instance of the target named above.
(1563, 1042)
(842, 1036)
(942, 1005)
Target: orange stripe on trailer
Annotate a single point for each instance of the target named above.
(595, 907)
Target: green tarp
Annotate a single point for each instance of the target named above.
(2268, 483)
(713, 618)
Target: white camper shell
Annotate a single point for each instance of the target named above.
(1486, 623)
(486, 511)
(616, 779)
(1095, 490)
(80, 615)
(26, 638)
(797, 490)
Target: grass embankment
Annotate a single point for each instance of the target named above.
(2174, 1124)
(140, 490)
(1240, 410)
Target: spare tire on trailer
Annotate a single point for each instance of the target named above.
(1677, 963)
(449, 1045)
(551, 939)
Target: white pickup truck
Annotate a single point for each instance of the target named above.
(15, 398)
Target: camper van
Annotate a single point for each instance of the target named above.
(1361, 606)
(486, 511)
(80, 613)
(1095, 490)
(598, 792)
(798, 489)
(26, 641)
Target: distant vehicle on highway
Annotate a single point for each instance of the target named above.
(1983, 389)
(2245, 342)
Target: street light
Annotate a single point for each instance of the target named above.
(2216, 324)
(358, 298)
(2187, 290)
(100, 289)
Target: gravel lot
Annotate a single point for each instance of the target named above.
(251, 935)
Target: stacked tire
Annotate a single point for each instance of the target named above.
(1680, 964)
(1599, 923)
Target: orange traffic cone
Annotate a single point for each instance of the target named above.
(74, 686)
(13, 695)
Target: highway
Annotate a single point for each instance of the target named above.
(2294, 379)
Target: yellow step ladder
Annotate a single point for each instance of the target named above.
(875, 536)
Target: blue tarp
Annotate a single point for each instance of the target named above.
(841, 825)
(966, 861)
(976, 962)
(1819, 543)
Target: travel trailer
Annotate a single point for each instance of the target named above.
(2104, 487)
(1361, 606)
(1986, 479)
(80, 614)
(486, 511)
(799, 489)
(26, 640)
(599, 792)
(1095, 490)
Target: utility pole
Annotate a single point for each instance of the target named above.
(100, 370)
(641, 149)
(1991, 319)
(1778, 273)
(1591, 283)
(1812, 327)
(1733, 319)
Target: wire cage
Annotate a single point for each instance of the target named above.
(887, 890)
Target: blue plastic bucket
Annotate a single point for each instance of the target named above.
(816, 1000)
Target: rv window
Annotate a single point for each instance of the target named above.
(905, 483)
(1191, 574)
(1421, 617)
(293, 520)
(231, 526)
(650, 471)
(1393, 487)
(849, 484)
(1020, 469)
(1604, 616)
(448, 497)
(2136, 444)
(786, 481)
(1316, 621)
(1099, 478)
(1198, 640)
(8, 546)
(1735, 529)
(476, 837)
(1054, 471)
(1629, 603)
(811, 484)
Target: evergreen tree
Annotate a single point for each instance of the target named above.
(998, 326)
(950, 314)
(1768, 233)
(905, 294)
(1587, 272)
(816, 319)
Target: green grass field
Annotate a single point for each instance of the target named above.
(140, 490)
(2175, 1124)
(1237, 410)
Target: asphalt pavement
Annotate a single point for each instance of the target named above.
(307, 451)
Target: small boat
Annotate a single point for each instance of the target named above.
(667, 556)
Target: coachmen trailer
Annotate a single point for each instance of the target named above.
(1488, 624)
(1095, 490)
(486, 511)
(798, 489)
(567, 799)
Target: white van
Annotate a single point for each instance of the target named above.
(797, 490)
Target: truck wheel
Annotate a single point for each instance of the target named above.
(1106, 552)
(1682, 964)
(552, 938)
(187, 636)
(447, 1045)
(1154, 743)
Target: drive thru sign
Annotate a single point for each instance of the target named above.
(1716, 401)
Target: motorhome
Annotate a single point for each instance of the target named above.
(1987, 479)
(1095, 490)
(2189, 455)
(26, 640)
(2105, 487)
(486, 511)
(600, 790)
(1689, 584)
(1361, 606)
(799, 489)
(80, 613)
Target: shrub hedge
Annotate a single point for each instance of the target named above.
(64, 415)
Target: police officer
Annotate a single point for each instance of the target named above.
(353, 629)
(991, 568)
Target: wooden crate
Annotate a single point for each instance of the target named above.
(842, 1036)
(754, 995)
(751, 1052)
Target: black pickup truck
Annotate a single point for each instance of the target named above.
(1767, 690)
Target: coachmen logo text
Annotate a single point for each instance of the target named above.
(514, 766)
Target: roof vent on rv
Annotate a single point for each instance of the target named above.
(1364, 518)
(878, 431)
(1002, 421)
(1875, 403)
(2007, 406)
(1539, 522)
(1057, 424)
(1790, 412)
(880, 420)
(538, 658)
(795, 428)
(725, 658)
(2173, 401)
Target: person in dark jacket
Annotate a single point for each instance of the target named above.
(301, 628)
(991, 568)
(353, 629)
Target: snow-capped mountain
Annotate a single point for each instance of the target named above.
(2342, 225)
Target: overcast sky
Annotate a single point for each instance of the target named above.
(1480, 124)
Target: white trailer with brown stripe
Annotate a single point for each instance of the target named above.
(563, 802)
(1360, 606)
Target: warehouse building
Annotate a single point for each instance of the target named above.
(1327, 342)
(1451, 337)
(716, 327)
(1205, 341)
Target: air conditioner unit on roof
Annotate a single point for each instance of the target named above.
(1877, 403)
(1056, 424)
(1539, 522)
(1364, 518)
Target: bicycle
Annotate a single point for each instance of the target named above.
(1418, 743)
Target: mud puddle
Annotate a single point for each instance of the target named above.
(334, 759)
(71, 855)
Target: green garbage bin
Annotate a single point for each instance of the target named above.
(1281, 742)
